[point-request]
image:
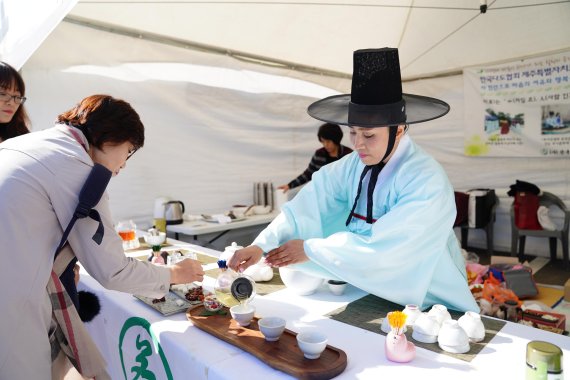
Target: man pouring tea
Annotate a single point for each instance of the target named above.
(382, 217)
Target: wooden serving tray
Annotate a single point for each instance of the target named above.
(284, 354)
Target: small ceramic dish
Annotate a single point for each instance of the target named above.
(426, 328)
(271, 328)
(452, 338)
(472, 324)
(155, 239)
(212, 304)
(412, 313)
(337, 287)
(312, 344)
(240, 210)
(440, 312)
(299, 282)
(242, 314)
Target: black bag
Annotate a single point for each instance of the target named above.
(89, 196)
(481, 203)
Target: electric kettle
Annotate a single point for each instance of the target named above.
(174, 212)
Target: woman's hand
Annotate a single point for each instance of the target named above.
(292, 252)
(285, 188)
(186, 271)
(245, 257)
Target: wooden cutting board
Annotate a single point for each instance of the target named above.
(284, 354)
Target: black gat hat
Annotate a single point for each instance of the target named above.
(376, 98)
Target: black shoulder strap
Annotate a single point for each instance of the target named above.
(89, 196)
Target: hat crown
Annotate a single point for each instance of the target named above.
(376, 78)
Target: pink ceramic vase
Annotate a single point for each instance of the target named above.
(157, 259)
(398, 349)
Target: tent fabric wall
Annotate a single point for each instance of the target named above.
(207, 143)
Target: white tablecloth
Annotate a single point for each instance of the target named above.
(190, 353)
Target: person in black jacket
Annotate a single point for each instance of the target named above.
(330, 135)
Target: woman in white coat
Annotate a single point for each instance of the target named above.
(40, 178)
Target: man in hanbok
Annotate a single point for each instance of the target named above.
(382, 217)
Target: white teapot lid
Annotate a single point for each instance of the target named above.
(234, 247)
(230, 250)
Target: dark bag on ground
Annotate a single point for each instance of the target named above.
(481, 202)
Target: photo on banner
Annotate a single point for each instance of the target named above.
(519, 109)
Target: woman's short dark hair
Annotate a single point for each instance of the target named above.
(331, 132)
(104, 119)
(11, 79)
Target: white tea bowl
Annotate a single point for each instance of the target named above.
(239, 210)
(312, 344)
(242, 314)
(337, 287)
(412, 312)
(155, 239)
(440, 312)
(452, 338)
(298, 282)
(271, 328)
(472, 324)
(426, 328)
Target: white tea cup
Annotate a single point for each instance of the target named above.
(312, 344)
(472, 324)
(271, 328)
(242, 314)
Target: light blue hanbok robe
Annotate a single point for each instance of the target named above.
(410, 255)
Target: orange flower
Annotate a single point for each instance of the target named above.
(397, 320)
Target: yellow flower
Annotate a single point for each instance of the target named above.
(397, 320)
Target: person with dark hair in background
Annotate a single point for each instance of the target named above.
(41, 176)
(13, 118)
(330, 135)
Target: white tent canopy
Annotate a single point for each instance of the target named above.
(433, 36)
(216, 120)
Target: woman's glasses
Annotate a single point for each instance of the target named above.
(131, 152)
(17, 99)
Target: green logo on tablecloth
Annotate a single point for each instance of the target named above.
(141, 354)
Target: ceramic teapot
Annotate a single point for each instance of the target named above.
(257, 272)
(229, 251)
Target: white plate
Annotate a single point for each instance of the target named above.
(172, 305)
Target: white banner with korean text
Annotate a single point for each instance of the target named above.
(519, 109)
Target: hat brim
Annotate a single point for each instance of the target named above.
(335, 109)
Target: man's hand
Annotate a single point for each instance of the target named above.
(292, 252)
(245, 257)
